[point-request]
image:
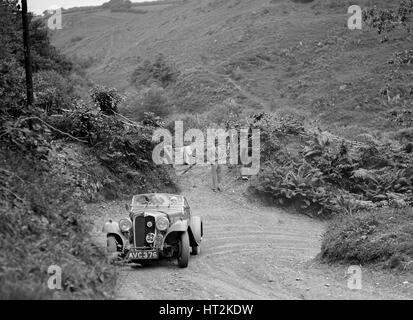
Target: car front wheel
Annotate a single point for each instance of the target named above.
(112, 245)
(183, 257)
(112, 249)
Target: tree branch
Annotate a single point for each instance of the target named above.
(53, 128)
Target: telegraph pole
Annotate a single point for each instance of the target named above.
(27, 54)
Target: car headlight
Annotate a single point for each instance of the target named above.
(162, 223)
(125, 225)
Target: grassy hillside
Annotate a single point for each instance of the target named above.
(276, 55)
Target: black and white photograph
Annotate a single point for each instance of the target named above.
(198, 157)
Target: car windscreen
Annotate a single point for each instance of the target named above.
(156, 200)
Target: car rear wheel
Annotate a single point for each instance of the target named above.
(197, 232)
(183, 257)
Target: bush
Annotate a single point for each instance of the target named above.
(51, 91)
(385, 21)
(106, 99)
(82, 63)
(384, 236)
(161, 72)
(300, 186)
(117, 4)
(128, 10)
(225, 114)
(322, 174)
(197, 91)
(190, 121)
(12, 87)
(152, 99)
(122, 147)
(42, 225)
(43, 183)
(45, 56)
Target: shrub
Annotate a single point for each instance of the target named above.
(51, 91)
(117, 4)
(75, 39)
(385, 21)
(319, 173)
(225, 114)
(197, 91)
(106, 99)
(82, 63)
(152, 99)
(160, 71)
(383, 236)
(43, 225)
(301, 186)
(122, 146)
(12, 87)
(402, 58)
(275, 131)
(128, 10)
(45, 56)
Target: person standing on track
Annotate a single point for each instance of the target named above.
(216, 172)
(217, 155)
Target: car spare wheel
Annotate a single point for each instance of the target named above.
(183, 256)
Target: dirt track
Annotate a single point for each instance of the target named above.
(249, 252)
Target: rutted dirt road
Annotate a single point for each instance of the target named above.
(249, 252)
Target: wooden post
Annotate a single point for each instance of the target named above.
(27, 54)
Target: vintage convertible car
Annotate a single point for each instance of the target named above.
(159, 226)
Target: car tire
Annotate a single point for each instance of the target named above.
(183, 256)
(196, 228)
(112, 245)
(112, 253)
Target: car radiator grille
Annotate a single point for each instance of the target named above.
(141, 229)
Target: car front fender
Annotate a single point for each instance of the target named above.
(178, 226)
(196, 230)
(112, 228)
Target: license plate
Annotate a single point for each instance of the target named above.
(143, 255)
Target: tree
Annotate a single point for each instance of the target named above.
(45, 57)
(117, 4)
(106, 99)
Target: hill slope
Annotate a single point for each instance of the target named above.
(277, 54)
